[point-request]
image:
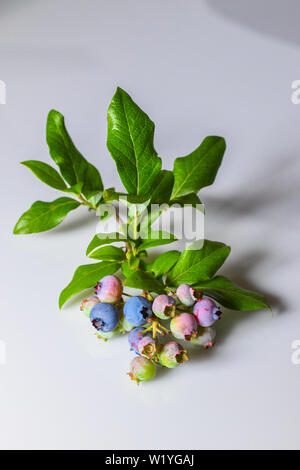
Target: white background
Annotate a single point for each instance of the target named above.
(197, 68)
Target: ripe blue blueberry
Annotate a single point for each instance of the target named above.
(104, 317)
(134, 338)
(137, 310)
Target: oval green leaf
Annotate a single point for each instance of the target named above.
(145, 281)
(195, 265)
(199, 168)
(108, 253)
(43, 216)
(87, 276)
(157, 238)
(130, 143)
(104, 239)
(46, 174)
(232, 296)
(73, 166)
(165, 262)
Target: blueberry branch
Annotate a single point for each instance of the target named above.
(190, 311)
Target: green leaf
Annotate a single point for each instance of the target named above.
(87, 276)
(94, 197)
(163, 187)
(46, 174)
(136, 205)
(110, 195)
(128, 200)
(195, 265)
(157, 238)
(126, 268)
(165, 262)
(124, 198)
(108, 253)
(232, 296)
(191, 199)
(130, 143)
(73, 166)
(76, 189)
(145, 266)
(132, 199)
(43, 216)
(199, 168)
(144, 281)
(104, 239)
(133, 262)
(93, 185)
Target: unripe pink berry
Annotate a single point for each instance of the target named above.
(206, 312)
(109, 289)
(164, 306)
(205, 337)
(172, 355)
(147, 347)
(187, 295)
(184, 326)
(141, 369)
(87, 305)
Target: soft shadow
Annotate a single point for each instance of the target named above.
(271, 188)
(236, 271)
(276, 18)
(225, 328)
(88, 220)
(230, 319)
(7, 6)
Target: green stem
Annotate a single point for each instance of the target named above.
(120, 222)
(84, 202)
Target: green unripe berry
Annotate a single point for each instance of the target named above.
(141, 369)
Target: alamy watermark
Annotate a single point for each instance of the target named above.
(295, 96)
(152, 222)
(2, 353)
(2, 92)
(295, 358)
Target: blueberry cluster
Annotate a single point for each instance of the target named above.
(191, 317)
